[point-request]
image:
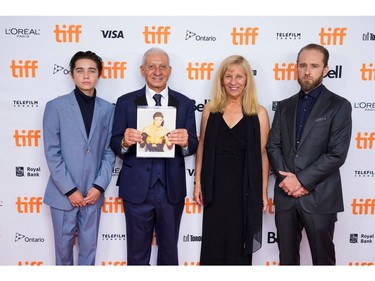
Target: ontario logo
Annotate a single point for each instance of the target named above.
(27, 239)
(58, 69)
(190, 34)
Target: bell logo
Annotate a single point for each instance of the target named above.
(114, 70)
(157, 35)
(367, 72)
(24, 69)
(244, 36)
(67, 34)
(29, 205)
(365, 141)
(27, 138)
(333, 36)
(285, 71)
(200, 71)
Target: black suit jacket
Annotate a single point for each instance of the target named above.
(322, 151)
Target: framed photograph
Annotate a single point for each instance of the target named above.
(155, 123)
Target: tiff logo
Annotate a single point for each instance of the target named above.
(332, 37)
(244, 36)
(157, 35)
(31, 205)
(67, 34)
(368, 73)
(27, 138)
(113, 205)
(285, 71)
(363, 207)
(24, 69)
(114, 70)
(200, 71)
(365, 141)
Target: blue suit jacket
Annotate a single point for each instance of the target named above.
(135, 173)
(75, 160)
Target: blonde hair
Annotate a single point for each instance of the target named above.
(250, 104)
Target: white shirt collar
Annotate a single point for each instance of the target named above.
(150, 93)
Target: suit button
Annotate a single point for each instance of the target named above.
(296, 156)
(88, 151)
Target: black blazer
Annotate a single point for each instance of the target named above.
(322, 151)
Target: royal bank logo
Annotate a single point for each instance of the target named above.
(361, 238)
(288, 36)
(113, 236)
(20, 171)
(206, 38)
(353, 238)
(27, 239)
(22, 32)
(28, 172)
(60, 69)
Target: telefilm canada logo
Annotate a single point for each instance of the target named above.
(25, 103)
(190, 34)
(288, 36)
(364, 173)
(113, 236)
(22, 237)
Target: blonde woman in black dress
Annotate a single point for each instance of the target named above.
(232, 167)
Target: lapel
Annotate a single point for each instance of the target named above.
(78, 115)
(141, 97)
(291, 119)
(172, 101)
(95, 118)
(320, 105)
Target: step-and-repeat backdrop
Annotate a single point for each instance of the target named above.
(34, 68)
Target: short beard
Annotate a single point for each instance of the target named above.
(307, 86)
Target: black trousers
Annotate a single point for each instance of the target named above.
(319, 229)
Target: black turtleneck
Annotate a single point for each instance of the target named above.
(86, 104)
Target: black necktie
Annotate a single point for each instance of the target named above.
(157, 98)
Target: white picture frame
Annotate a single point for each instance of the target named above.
(155, 122)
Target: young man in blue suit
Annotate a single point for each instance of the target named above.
(153, 189)
(308, 143)
(77, 132)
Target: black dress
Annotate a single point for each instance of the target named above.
(223, 218)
